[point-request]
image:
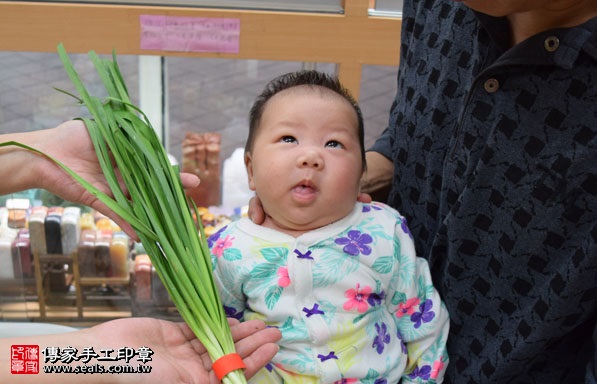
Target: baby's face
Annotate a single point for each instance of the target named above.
(305, 164)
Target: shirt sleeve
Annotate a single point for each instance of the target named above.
(420, 314)
(226, 275)
(383, 144)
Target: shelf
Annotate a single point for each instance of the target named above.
(104, 280)
(78, 281)
(55, 258)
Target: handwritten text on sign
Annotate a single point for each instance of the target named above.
(189, 34)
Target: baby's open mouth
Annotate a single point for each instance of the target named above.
(304, 187)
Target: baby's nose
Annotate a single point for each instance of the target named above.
(311, 158)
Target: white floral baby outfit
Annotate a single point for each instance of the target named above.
(353, 302)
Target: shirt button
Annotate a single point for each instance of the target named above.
(551, 44)
(491, 85)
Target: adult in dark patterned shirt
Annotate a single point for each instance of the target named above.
(492, 146)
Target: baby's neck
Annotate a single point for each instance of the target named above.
(294, 232)
(294, 229)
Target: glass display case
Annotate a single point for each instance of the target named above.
(67, 264)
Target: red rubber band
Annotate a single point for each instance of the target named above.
(226, 364)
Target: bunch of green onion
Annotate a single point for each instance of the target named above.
(158, 209)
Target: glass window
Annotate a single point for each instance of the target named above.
(215, 95)
(203, 95)
(378, 88)
(333, 6)
(28, 98)
(388, 7)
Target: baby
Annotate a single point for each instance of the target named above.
(339, 278)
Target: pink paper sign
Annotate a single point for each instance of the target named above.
(189, 34)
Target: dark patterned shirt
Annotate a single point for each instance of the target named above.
(495, 156)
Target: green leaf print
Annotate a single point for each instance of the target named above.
(423, 288)
(272, 296)
(264, 271)
(300, 361)
(374, 229)
(333, 267)
(232, 254)
(372, 376)
(275, 255)
(384, 264)
(399, 297)
(293, 331)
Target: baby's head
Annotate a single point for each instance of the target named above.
(296, 79)
(305, 152)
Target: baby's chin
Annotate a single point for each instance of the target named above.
(296, 227)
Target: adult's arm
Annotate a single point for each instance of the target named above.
(178, 357)
(69, 143)
(377, 179)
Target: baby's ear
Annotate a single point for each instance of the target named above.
(249, 167)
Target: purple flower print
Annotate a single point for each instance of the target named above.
(405, 229)
(423, 372)
(214, 237)
(425, 315)
(382, 337)
(376, 298)
(381, 380)
(369, 207)
(232, 312)
(355, 243)
(402, 344)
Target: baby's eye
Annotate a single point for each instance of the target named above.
(288, 139)
(334, 144)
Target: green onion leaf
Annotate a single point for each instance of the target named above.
(157, 209)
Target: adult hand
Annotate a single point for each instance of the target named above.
(70, 144)
(377, 179)
(364, 197)
(178, 356)
(255, 211)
